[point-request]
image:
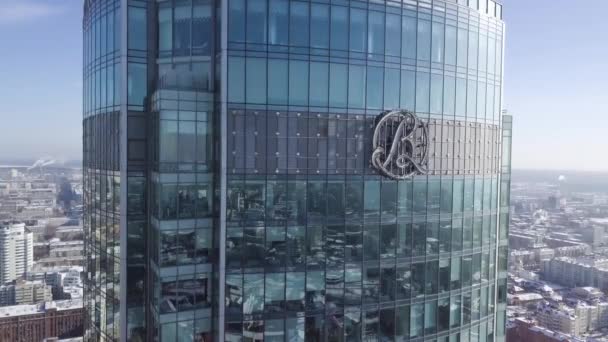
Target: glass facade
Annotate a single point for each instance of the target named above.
(242, 133)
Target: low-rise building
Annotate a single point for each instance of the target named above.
(25, 292)
(61, 319)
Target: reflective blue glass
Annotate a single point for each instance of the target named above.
(338, 86)
(339, 28)
(375, 81)
(358, 30)
(356, 86)
(319, 81)
(375, 39)
(255, 78)
(319, 26)
(278, 22)
(298, 23)
(278, 73)
(298, 82)
(424, 40)
(408, 37)
(408, 89)
(422, 92)
(256, 21)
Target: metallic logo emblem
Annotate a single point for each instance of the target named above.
(400, 145)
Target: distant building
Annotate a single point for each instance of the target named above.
(524, 330)
(577, 272)
(62, 319)
(558, 317)
(25, 292)
(16, 251)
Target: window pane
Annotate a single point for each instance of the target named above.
(450, 45)
(298, 82)
(339, 28)
(277, 81)
(358, 29)
(236, 82)
(236, 26)
(137, 28)
(462, 47)
(319, 74)
(408, 43)
(391, 88)
(436, 94)
(422, 92)
(408, 89)
(165, 29)
(256, 80)
(375, 40)
(256, 21)
(298, 24)
(374, 87)
(319, 26)
(278, 22)
(449, 95)
(136, 84)
(424, 40)
(338, 85)
(393, 35)
(437, 43)
(356, 86)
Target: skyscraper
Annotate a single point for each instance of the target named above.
(16, 251)
(286, 170)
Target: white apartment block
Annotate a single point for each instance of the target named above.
(16, 251)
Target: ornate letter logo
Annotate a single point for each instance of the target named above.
(400, 145)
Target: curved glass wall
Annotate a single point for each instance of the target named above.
(319, 246)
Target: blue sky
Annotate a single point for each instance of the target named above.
(556, 81)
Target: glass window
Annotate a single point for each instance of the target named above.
(137, 28)
(461, 49)
(253, 293)
(437, 48)
(471, 99)
(338, 85)
(417, 320)
(277, 81)
(298, 24)
(319, 74)
(408, 37)
(449, 95)
(358, 29)
(393, 35)
(236, 82)
(201, 29)
(182, 22)
(256, 21)
(436, 94)
(256, 80)
(402, 323)
(339, 28)
(298, 82)
(236, 26)
(424, 40)
(319, 26)
(356, 86)
(408, 89)
(136, 84)
(455, 273)
(375, 39)
(455, 307)
(461, 97)
(374, 88)
(450, 45)
(473, 49)
(391, 88)
(165, 29)
(422, 92)
(278, 22)
(430, 317)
